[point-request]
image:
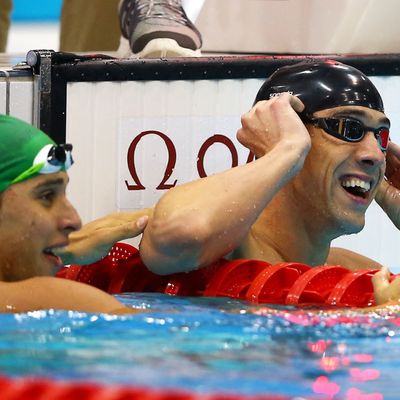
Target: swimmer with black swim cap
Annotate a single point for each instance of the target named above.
(312, 181)
(321, 85)
(313, 177)
(343, 112)
(324, 85)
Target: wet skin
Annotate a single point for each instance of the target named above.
(287, 205)
(36, 218)
(26, 244)
(340, 179)
(327, 198)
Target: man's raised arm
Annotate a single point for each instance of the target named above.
(197, 223)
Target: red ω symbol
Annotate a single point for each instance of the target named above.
(172, 156)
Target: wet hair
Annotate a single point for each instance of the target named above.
(321, 85)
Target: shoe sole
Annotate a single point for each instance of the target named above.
(160, 48)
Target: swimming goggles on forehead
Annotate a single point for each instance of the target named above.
(350, 129)
(49, 160)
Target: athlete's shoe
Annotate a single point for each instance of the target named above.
(158, 28)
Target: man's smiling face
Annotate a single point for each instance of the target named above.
(340, 178)
(35, 218)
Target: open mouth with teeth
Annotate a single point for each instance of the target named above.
(356, 187)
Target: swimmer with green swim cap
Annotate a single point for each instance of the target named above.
(25, 152)
(38, 224)
(321, 141)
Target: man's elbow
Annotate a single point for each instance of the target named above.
(170, 247)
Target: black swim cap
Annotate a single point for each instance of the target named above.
(321, 85)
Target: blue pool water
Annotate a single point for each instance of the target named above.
(210, 346)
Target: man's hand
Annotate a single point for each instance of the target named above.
(272, 122)
(95, 239)
(384, 290)
(393, 165)
(388, 195)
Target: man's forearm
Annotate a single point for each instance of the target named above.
(199, 222)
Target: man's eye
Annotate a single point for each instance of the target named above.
(47, 196)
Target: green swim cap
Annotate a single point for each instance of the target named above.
(20, 143)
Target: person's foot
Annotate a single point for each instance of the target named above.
(158, 28)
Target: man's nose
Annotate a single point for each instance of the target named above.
(369, 151)
(70, 219)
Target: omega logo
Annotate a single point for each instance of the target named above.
(164, 184)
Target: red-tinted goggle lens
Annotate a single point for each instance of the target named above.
(352, 130)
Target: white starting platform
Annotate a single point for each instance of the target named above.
(140, 127)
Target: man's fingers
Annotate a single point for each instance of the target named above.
(99, 245)
(381, 192)
(394, 148)
(384, 289)
(296, 104)
(380, 282)
(392, 172)
(142, 222)
(381, 278)
(126, 230)
(115, 219)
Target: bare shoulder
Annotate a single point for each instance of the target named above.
(351, 259)
(48, 292)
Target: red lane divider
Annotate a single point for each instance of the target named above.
(234, 278)
(122, 270)
(354, 290)
(315, 285)
(272, 284)
(45, 389)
